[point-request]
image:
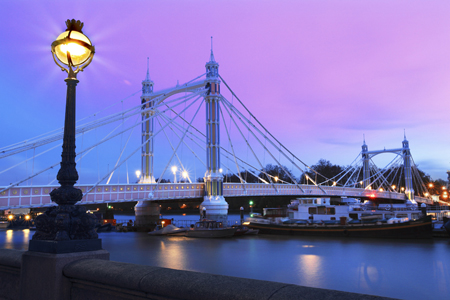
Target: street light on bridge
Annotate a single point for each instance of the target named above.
(174, 171)
(67, 224)
(138, 174)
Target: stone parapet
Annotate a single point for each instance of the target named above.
(97, 279)
(10, 262)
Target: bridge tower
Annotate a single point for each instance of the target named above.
(366, 171)
(213, 201)
(147, 131)
(147, 212)
(406, 153)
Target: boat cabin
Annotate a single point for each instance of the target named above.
(320, 209)
(208, 225)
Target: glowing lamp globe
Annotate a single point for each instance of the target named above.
(72, 48)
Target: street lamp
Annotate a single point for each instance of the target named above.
(185, 174)
(73, 49)
(138, 174)
(174, 171)
(67, 223)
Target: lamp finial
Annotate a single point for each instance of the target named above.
(75, 25)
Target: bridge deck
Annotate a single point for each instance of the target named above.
(38, 196)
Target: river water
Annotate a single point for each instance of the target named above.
(405, 269)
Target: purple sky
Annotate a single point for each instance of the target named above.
(318, 74)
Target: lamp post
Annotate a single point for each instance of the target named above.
(174, 171)
(138, 175)
(67, 224)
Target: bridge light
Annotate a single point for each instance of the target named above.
(174, 171)
(185, 174)
(220, 170)
(426, 194)
(276, 178)
(430, 185)
(394, 187)
(27, 217)
(402, 189)
(381, 189)
(444, 188)
(334, 183)
(10, 217)
(372, 196)
(138, 174)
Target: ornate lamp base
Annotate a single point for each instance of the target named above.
(65, 228)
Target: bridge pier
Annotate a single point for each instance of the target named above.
(146, 213)
(216, 208)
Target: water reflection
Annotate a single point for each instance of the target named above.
(441, 273)
(310, 267)
(9, 239)
(370, 276)
(171, 254)
(26, 234)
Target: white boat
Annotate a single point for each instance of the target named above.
(320, 210)
(210, 229)
(348, 217)
(169, 230)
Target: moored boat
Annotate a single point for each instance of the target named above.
(210, 229)
(244, 230)
(350, 218)
(169, 230)
(240, 230)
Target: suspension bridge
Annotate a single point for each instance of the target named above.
(173, 132)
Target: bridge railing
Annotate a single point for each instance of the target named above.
(38, 196)
(262, 189)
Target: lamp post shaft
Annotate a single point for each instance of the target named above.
(68, 175)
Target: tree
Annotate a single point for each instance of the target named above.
(279, 174)
(325, 171)
(245, 175)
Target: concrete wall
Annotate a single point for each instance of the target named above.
(102, 279)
